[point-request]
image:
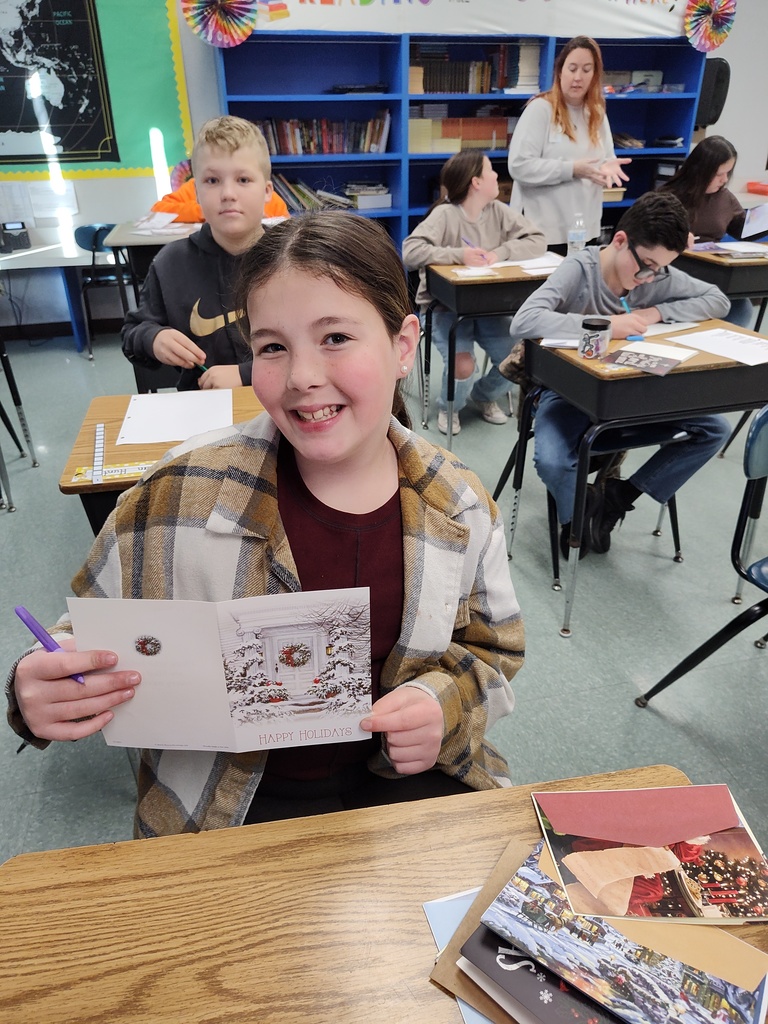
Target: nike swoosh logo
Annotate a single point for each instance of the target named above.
(202, 326)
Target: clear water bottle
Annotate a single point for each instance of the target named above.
(577, 235)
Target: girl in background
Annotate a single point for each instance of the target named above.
(469, 225)
(561, 155)
(326, 489)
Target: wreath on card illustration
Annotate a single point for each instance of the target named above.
(294, 655)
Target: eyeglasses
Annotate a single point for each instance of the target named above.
(644, 271)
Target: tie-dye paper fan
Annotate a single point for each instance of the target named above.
(708, 22)
(221, 22)
(181, 173)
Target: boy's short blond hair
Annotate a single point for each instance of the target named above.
(230, 134)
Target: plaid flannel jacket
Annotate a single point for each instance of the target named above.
(203, 525)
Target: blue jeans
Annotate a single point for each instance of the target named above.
(492, 335)
(560, 427)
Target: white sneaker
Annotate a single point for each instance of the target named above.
(442, 422)
(491, 412)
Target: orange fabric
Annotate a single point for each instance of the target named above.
(183, 202)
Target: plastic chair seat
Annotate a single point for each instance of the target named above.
(757, 573)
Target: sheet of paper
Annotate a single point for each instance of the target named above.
(548, 260)
(444, 916)
(653, 329)
(668, 351)
(559, 343)
(15, 203)
(252, 674)
(744, 348)
(154, 220)
(756, 221)
(474, 272)
(152, 419)
(745, 247)
(49, 200)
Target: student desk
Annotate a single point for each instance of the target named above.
(499, 295)
(622, 397)
(56, 248)
(312, 919)
(99, 499)
(737, 278)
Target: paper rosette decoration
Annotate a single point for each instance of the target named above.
(181, 172)
(708, 22)
(221, 22)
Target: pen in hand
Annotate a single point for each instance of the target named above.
(201, 366)
(41, 634)
(472, 245)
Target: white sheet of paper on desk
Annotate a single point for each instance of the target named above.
(756, 221)
(152, 419)
(559, 343)
(474, 272)
(256, 673)
(549, 261)
(745, 247)
(664, 351)
(154, 220)
(653, 329)
(744, 348)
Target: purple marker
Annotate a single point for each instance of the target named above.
(41, 634)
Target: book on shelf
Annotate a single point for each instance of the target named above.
(513, 64)
(638, 970)
(324, 136)
(670, 853)
(365, 201)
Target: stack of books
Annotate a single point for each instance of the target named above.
(367, 195)
(611, 916)
(513, 66)
(450, 134)
(321, 135)
(299, 196)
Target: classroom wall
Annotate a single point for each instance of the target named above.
(743, 120)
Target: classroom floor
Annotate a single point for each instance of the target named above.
(636, 614)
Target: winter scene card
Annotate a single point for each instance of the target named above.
(257, 673)
(643, 972)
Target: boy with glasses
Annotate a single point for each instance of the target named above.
(630, 282)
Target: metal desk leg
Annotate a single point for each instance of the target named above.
(11, 431)
(6, 364)
(524, 428)
(761, 313)
(451, 394)
(6, 487)
(71, 278)
(577, 525)
(117, 253)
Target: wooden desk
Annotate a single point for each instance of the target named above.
(737, 278)
(310, 920)
(618, 397)
(99, 499)
(498, 295)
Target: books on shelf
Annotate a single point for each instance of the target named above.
(367, 195)
(450, 134)
(299, 196)
(323, 136)
(505, 66)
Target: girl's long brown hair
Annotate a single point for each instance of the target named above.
(594, 100)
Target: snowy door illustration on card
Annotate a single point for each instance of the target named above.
(293, 656)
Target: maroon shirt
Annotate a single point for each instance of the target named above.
(341, 549)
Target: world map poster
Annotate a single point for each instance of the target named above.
(54, 100)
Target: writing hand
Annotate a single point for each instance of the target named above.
(220, 377)
(624, 324)
(51, 702)
(412, 723)
(476, 257)
(175, 349)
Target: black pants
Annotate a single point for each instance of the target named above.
(355, 786)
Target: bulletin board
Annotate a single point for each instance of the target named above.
(144, 73)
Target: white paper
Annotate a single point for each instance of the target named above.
(559, 342)
(474, 272)
(152, 419)
(758, 248)
(15, 203)
(756, 221)
(744, 348)
(652, 329)
(49, 200)
(666, 351)
(154, 220)
(548, 261)
(252, 674)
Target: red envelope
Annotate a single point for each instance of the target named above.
(641, 817)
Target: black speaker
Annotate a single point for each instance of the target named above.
(714, 91)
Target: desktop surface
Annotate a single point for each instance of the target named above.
(311, 919)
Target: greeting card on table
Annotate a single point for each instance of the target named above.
(676, 852)
(638, 970)
(257, 673)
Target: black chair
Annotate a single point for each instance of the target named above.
(604, 445)
(756, 471)
(90, 237)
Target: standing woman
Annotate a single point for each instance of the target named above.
(561, 155)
